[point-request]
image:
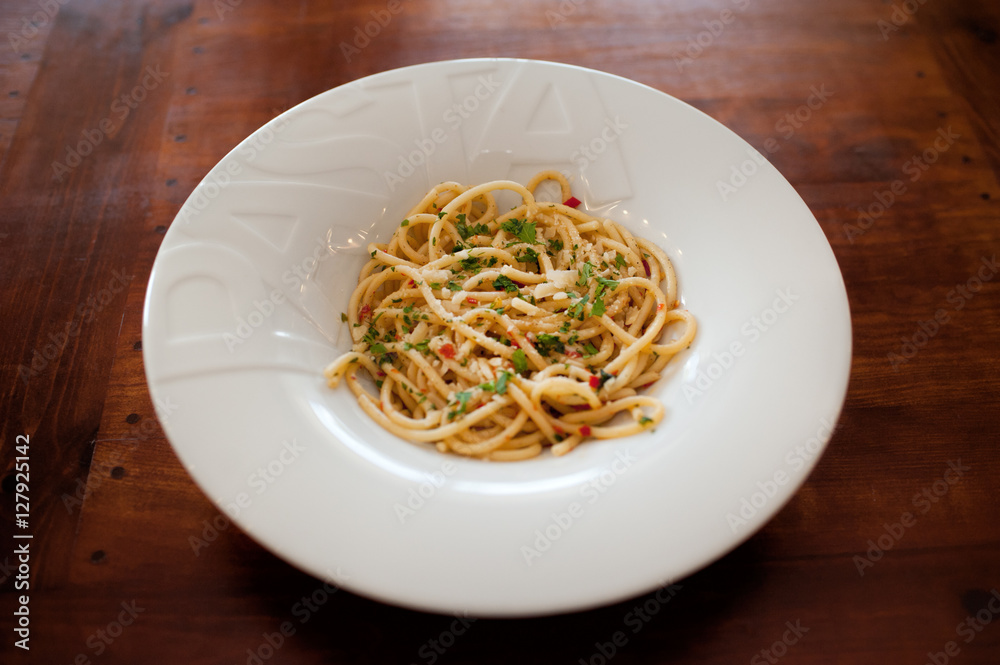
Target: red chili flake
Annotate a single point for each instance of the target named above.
(595, 381)
(585, 430)
(573, 353)
(381, 373)
(447, 351)
(559, 430)
(660, 307)
(471, 300)
(513, 342)
(365, 312)
(646, 266)
(411, 283)
(647, 385)
(572, 202)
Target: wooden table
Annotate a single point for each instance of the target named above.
(884, 116)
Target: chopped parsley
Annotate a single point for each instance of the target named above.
(547, 343)
(528, 256)
(597, 309)
(504, 283)
(520, 361)
(471, 264)
(467, 231)
(555, 245)
(371, 335)
(610, 283)
(523, 231)
(604, 377)
(423, 346)
(501, 383)
(584, 272)
(576, 311)
(461, 403)
(620, 261)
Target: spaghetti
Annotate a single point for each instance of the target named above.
(495, 334)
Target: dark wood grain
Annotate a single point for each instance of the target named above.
(114, 511)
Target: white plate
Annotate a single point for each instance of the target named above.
(243, 312)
